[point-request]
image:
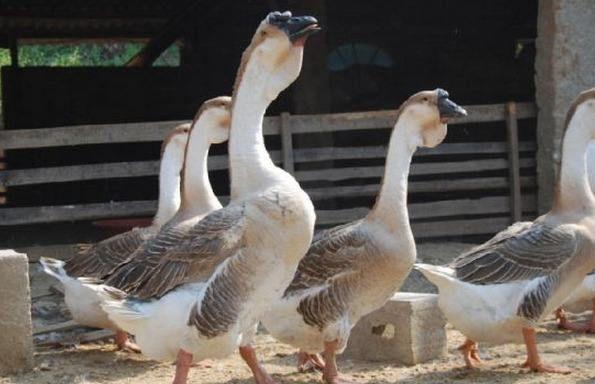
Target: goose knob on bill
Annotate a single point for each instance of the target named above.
(499, 291)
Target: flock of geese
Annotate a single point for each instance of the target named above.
(195, 284)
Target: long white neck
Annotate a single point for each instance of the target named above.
(251, 166)
(574, 191)
(391, 205)
(198, 197)
(169, 184)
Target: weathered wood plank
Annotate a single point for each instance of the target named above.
(375, 152)
(287, 142)
(469, 184)
(435, 209)
(338, 174)
(512, 135)
(385, 119)
(31, 176)
(49, 214)
(64, 326)
(486, 226)
(155, 131)
(150, 168)
(100, 134)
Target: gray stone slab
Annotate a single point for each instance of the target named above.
(409, 329)
(16, 341)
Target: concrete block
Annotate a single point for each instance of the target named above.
(16, 340)
(409, 329)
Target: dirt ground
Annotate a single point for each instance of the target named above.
(98, 363)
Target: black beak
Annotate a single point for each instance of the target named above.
(295, 27)
(447, 108)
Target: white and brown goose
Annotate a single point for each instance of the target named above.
(101, 258)
(197, 292)
(499, 291)
(351, 270)
(583, 298)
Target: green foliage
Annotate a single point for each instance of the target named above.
(86, 54)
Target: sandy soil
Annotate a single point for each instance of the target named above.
(98, 363)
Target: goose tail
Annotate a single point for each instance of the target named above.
(126, 313)
(438, 275)
(55, 268)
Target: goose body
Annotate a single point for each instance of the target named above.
(198, 289)
(498, 291)
(99, 259)
(351, 270)
(582, 298)
(497, 312)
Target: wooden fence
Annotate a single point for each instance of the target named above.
(480, 169)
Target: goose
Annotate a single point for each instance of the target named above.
(197, 292)
(99, 259)
(583, 298)
(353, 269)
(498, 291)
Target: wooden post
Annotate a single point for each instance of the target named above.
(167, 36)
(512, 136)
(14, 53)
(287, 142)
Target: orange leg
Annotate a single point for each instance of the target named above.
(124, 344)
(260, 374)
(533, 360)
(330, 373)
(563, 322)
(183, 364)
(470, 354)
(309, 362)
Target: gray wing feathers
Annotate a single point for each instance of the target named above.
(523, 251)
(330, 271)
(535, 302)
(224, 298)
(102, 258)
(179, 254)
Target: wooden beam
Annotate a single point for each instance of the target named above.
(166, 37)
(514, 174)
(287, 143)
(60, 327)
(441, 168)
(437, 210)
(155, 131)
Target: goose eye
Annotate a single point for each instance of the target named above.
(425, 99)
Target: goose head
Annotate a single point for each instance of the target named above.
(582, 113)
(274, 57)
(176, 139)
(425, 116)
(214, 119)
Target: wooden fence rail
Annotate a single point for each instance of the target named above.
(504, 169)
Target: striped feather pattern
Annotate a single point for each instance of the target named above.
(224, 298)
(330, 264)
(534, 303)
(180, 254)
(523, 251)
(102, 258)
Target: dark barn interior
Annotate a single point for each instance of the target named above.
(370, 56)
